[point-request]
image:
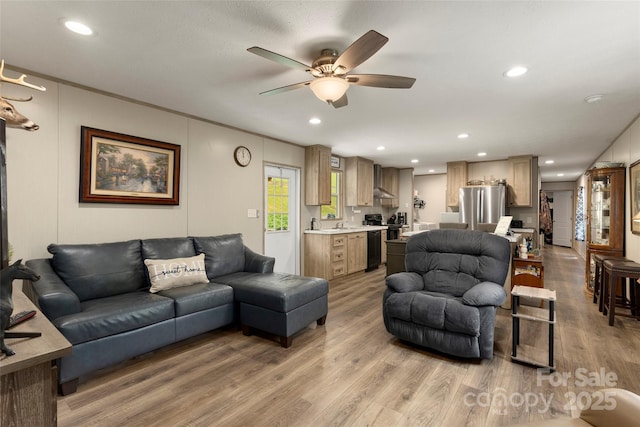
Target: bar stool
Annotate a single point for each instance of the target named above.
(614, 270)
(598, 259)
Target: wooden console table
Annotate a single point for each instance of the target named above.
(28, 379)
(528, 272)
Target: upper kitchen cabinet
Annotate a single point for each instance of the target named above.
(519, 182)
(317, 181)
(456, 178)
(391, 183)
(359, 181)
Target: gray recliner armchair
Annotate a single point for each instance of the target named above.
(448, 296)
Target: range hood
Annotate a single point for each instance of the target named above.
(378, 191)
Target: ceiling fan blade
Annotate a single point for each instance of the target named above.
(381, 80)
(276, 57)
(285, 88)
(341, 102)
(360, 50)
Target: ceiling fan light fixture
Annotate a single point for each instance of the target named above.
(329, 89)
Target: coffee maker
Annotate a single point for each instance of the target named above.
(402, 217)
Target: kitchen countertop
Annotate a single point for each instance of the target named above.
(512, 238)
(351, 229)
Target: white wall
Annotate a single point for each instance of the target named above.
(433, 190)
(43, 174)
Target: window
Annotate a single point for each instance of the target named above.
(334, 210)
(277, 203)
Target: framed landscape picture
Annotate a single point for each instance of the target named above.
(118, 168)
(634, 181)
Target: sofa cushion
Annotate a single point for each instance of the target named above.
(173, 273)
(434, 311)
(223, 254)
(114, 315)
(99, 270)
(278, 291)
(172, 247)
(194, 298)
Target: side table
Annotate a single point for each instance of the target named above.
(27, 379)
(533, 314)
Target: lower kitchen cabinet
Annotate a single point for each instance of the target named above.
(325, 255)
(356, 252)
(334, 255)
(396, 250)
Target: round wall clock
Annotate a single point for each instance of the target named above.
(242, 156)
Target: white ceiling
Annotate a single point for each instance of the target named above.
(191, 57)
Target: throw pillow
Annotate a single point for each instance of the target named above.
(172, 273)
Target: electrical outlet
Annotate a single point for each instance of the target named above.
(528, 220)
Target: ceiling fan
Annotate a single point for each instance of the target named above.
(330, 70)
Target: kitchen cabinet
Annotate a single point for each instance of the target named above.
(519, 182)
(396, 250)
(359, 181)
(383, 247)
(317, 181)
(605, 216)
(456, 178)
(391, 183)
(325, 255)
(356, 252)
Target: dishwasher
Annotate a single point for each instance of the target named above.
(374, 251)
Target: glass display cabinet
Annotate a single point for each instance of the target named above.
(605, 216)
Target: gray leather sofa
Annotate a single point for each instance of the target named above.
(98, 296)
(448, 296)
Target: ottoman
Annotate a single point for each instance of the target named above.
(280, 304)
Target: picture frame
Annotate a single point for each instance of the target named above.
(119, 168)
(634, 191)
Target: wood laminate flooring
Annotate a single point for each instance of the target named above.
(351, 372)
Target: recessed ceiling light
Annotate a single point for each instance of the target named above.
(463, 135)
(315, 121)
(380, 148)
(548, 162)
(516, 71)
(78, 27)
(593, 98)
(414, 160)
(482, 154)
(560, 174)
(432, 170)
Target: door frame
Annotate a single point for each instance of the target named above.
(571, 217)
(298, 211)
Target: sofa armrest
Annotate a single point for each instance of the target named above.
(52, 295)
(485, 293)
(257, 263)
(613, 407)
(405, 282)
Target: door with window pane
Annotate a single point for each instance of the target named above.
(281, 239)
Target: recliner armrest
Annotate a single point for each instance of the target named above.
(405, 282)
(485, 293)
(54, 297)
(257, 263)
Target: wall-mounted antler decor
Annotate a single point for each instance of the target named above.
(7, 111)
(9, 117)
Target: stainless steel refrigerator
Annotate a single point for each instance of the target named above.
(482, 204)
